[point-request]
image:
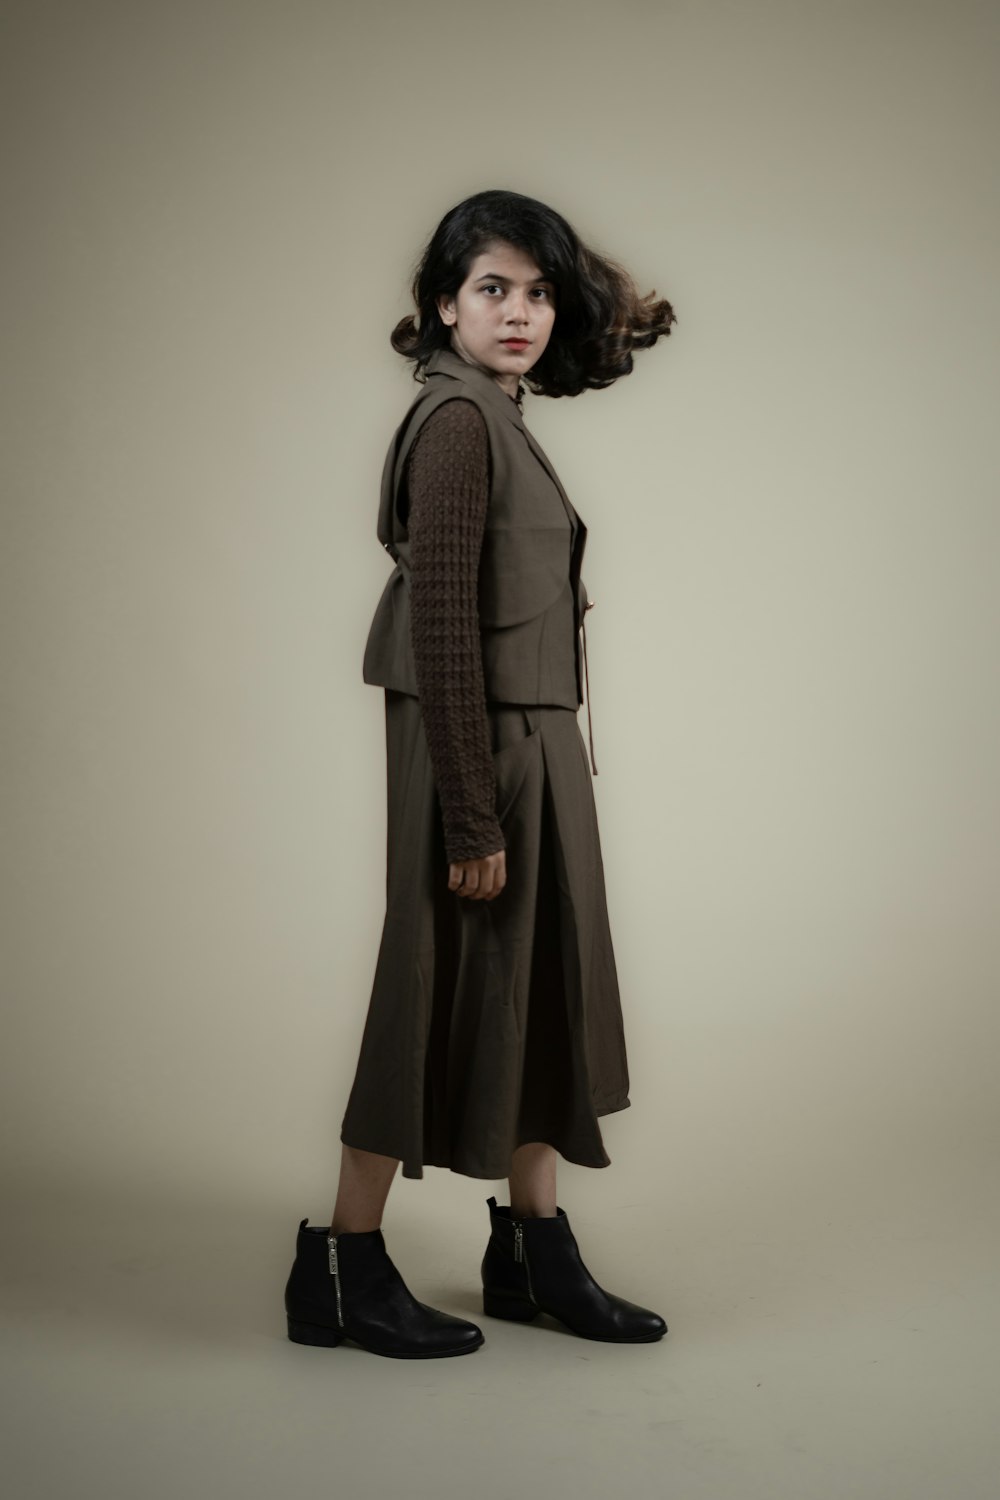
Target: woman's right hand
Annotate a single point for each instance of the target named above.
(479, 879)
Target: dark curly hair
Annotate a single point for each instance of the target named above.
(600, 316)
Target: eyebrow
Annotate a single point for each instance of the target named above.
(495, 276)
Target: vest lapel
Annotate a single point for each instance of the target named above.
(447, 362)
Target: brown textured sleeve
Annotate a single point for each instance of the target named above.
(448, 484)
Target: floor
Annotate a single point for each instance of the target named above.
(831, 1335)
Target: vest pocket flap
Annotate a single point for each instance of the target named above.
(522, 572)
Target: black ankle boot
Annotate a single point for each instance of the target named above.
(345, 1286)
(533, 1265)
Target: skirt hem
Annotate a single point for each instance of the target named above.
(414, 1170)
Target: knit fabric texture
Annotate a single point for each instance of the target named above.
(448, 482)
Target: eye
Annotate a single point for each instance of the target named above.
(493, 286)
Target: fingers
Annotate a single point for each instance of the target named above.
(479, 879)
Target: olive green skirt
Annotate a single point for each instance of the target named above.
(492, 1023)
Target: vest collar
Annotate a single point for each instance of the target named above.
(447, 362)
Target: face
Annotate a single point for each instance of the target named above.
(504, 296)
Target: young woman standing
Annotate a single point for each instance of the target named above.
(494, 1038)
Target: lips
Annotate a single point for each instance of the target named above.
(516, 343)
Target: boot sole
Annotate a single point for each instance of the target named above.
(516, 1310)
(321, 1337)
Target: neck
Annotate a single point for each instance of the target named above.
(510, 384)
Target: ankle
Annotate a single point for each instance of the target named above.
(357, 1226)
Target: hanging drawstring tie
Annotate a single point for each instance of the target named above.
(586, 675)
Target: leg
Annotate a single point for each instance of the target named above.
(365, 1180)
(533, 1181)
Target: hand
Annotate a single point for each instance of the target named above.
(479, 879)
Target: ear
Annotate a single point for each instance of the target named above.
(446, 309)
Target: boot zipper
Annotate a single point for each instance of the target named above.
(331, 1241)
(519, 1255)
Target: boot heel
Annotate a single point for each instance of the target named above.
(515, 1309)
(313, 1333)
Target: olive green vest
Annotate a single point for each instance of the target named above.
(530, 594)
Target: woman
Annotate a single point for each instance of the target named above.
(494, 1039)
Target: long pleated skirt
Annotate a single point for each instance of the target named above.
(492, 1023)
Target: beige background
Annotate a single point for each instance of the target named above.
(212, 213)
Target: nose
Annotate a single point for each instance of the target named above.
(517, 309)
